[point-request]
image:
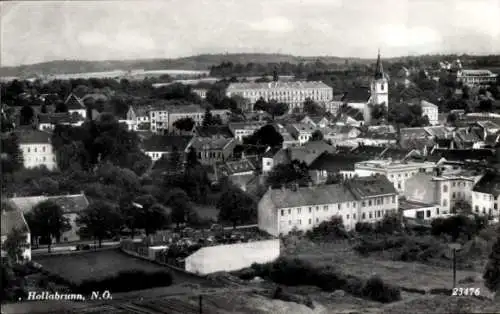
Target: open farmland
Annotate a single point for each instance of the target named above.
(93, 265)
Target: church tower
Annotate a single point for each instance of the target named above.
(379, 86)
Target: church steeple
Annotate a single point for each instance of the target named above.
(379, 70)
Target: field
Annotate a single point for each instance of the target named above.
(93, 265)
(402, 274)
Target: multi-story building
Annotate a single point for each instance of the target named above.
(486, 196)
(48, 121)
(162, 119)
(212, 144)
(397, 172)
(445, 188)
(476, 77)
(138, 118)
(292, 93)
(288, 139)
(333, 106)
(75, 105)
(358, 200)
(36, 147)
(431, 111)
(244, 129)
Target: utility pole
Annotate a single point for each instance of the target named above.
(454, 267)
(200, 303)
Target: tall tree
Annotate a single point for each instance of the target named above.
(265, 136)
(295, 171)
(207, 118)
(181, 206)
(317, 136)
(101, 220)
(276, 109)
(313, 108)
(236, 207)
(13, 159)
(151, 216)
(192, 158)
(174, 159)
(47, 220)
(492, 272)
(27, 115)
(61, 107)
(184, 124)
(15, 244)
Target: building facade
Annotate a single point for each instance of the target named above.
(397, 172)
(476, 77)
(241, 130)
(379, 86)
(162, 119)
(37, 149)
(431, 111)
(486, 196)
(292, 93)
(281, 211)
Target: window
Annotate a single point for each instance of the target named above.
(325, 208)
(298, 211)
(445, 188)
(299, 222)
(289, 222)
(289, 212)
(43, 149)
(310, 210)
(454, 184)
(394, 199)
(353, 205)
(370, 215)
(453, 195)
(347, 216)
(310, 221)
(363, 216)
(378, 213)
(317, 219)
(354, 216)
(399, 185)
(363, 204)
(437, 211)
(317, 208)
(495, 206)
(28, 149)
(370, 203)
(428, 213)
(339, 206)
(282, 212)
(445, 202)
(420, 214)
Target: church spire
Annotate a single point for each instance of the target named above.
(379, 71)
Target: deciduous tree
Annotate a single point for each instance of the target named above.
(236, 207)
(492, 272)
(101, 220)
(184, 124)
(181, 206)
(15, 244)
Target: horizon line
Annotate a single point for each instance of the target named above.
(252, 53)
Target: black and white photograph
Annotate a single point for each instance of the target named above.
(250, 156)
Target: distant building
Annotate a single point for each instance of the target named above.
(419, 211)
(431, 111)
(316, 121)
(200, 92)
(476, 77)
(302, 208)
(301, 131)
(333, 106)
(75, 105)
(241, 130)
(47, 122)
(292, 93)
(36, 147)
(158, 146)
(212, 144)
(397, 172)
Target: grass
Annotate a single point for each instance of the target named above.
(77, 268)
(401, 274)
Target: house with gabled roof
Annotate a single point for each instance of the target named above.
(71, 206)
(283, 210)
(76, 105)
(158, 146)
(486, 196)
(316, 121)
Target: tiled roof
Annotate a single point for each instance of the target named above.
(33, 137)
(165, 143)
(465, 136)
(202, 143)
(464, 154)
(357, 95)
(73, 102)
(489, 184)
(246, 125)
(368, 150)
(438, 131)
(414, 133)
(425, 103)
(68, 203)
(316, 195)
(306, 153)
(13, 219)
(336, 162)
(277, 85)
(233, 167)
(406, 204)
(57, 118)
(213, 130)
(364, 187)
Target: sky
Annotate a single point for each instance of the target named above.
(39, 31)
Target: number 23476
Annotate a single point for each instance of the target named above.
(466, 292)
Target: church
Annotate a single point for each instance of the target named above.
(363, 98)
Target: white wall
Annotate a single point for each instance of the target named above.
(432, 210)
(483, 203)
(232, 257)
(35, 155)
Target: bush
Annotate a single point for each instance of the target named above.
(375, 289)
(127, 281)
(332, 229)
(364, 227)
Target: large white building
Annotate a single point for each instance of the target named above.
(281, 211)
(476, 77)
(397, 172)
(241, 130)
(292, 93)
(431, 111)
(36, 147)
